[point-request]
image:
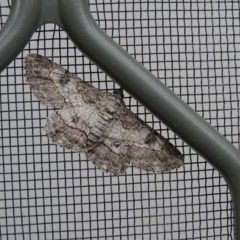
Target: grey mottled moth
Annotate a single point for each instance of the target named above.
(96, 122)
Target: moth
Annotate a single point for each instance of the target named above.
(97, 123)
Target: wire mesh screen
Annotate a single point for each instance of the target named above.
(48, 192)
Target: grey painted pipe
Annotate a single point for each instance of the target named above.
(17, 31)
(154, 95)
(74, 16)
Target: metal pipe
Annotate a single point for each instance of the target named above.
(17, 31)
(74, 16)
(153, 94)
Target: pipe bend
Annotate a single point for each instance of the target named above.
(102, 50)
(81, 27)
(89, 38)
(22, 21)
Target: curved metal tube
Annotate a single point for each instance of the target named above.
(17, 31)
(74, 16)
(153, 94)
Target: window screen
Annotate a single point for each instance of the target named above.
(48, 192)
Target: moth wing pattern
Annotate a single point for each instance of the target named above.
(108, 160)
(55, 86)
(42, 86)
(149, 151)
(63, 133)
(144, 148)
(97, 123)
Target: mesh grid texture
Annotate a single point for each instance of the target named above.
(47, 192)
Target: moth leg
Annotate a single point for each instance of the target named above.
(119, 92)
(107, 160)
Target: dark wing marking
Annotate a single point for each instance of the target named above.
(54, 85)
(37, 73)
(107, 160)
(66, 136)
